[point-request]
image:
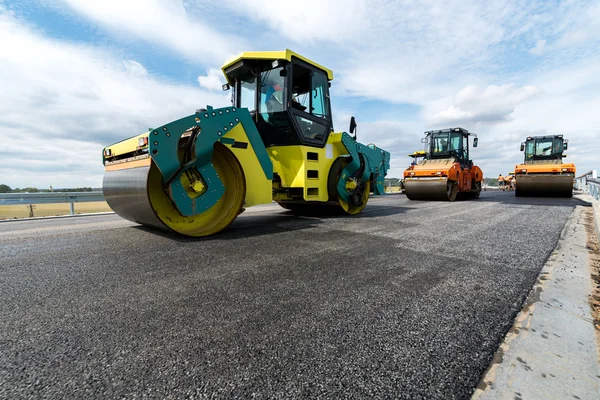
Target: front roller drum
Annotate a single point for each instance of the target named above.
(430, 189)
(137, 194)
(544, 185)
(358, 192)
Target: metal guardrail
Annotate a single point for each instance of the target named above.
(10, 199)
(581, 180)
(593, 187)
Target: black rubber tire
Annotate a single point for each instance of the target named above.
(477, 192)
(451, 190)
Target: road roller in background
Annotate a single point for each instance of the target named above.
(543, 172)
(446, 170)
(276, 142)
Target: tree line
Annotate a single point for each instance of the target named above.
(7, 189)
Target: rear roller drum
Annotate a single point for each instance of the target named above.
(451, 190)
(360, 197)
(358, 200)
(476, 191)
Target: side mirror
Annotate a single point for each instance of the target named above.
(226, 87)
(522, 146)
(566, 145)
(352, 124)
(475, 142)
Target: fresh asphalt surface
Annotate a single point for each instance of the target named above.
(409, 299)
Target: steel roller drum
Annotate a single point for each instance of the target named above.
(545, 185)
(426, 189)
(126, 192)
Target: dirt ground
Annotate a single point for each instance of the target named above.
(45, 210)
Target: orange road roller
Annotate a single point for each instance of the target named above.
(543, 172)
(445, 170)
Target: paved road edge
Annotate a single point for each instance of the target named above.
(551, 350)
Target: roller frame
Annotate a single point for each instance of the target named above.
(213, 123)
(364, 162)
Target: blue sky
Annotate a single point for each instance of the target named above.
(79, 75)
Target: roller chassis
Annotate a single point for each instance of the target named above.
(359, 172)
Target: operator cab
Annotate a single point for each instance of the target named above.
(544, 147)
(286, 94)
(446, 143)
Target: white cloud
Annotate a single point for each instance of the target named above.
(580, 23)
(161, 22)
(312, 21)
(490, 105)
(62, 103)
(214, 80)
(415, 52)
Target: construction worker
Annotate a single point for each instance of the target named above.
(444, 146)
(274, 97)
(500, 182)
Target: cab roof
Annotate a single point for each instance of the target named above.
(273, 55)
(457, 129)
(545, 137)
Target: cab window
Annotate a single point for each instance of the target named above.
(320, 108)
(271, 91)
(248, 93)
(455, 139)
(308, 92)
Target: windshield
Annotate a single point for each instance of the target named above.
(446, 143)
(543, 149)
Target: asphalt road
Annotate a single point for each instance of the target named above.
(408, 300)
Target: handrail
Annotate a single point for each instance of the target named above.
(591, 172)
(581, 182)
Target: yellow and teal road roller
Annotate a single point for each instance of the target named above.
(276, 142)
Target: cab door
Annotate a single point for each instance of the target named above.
(308, 104)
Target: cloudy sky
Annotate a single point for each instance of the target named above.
(78, 75)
